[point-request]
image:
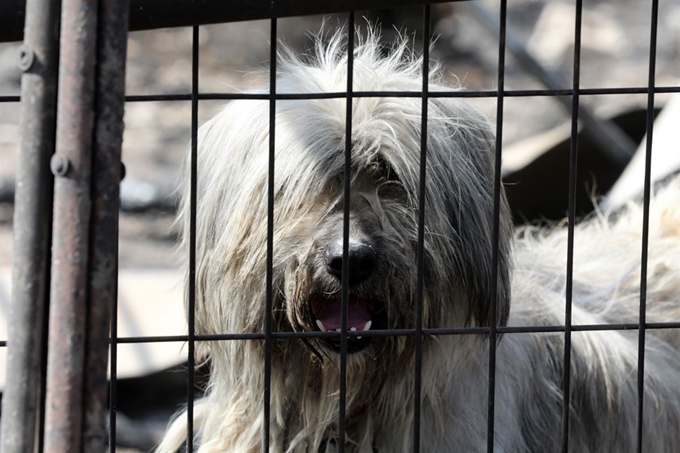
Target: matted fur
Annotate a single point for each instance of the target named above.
(310, 142)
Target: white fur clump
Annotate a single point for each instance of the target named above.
(233, 153)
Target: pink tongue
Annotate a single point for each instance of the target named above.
(329, 312)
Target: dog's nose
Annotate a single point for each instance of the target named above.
(362, 260)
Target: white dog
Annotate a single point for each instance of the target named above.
(458, 272)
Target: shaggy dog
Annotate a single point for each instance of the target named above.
(230, 277)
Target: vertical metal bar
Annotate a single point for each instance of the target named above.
(645, 225)
(38, 59)
(270, 238)
(345, 233)
(106, 172)
(191, 311)
(573, 159)
(43, 359)
(113, 378)
(417, 384)
(496, 229)
(72, 204)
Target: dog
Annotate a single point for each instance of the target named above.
(460, 283)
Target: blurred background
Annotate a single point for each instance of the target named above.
(615, 54)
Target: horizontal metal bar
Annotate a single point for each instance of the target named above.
(402, 332)
(399, 94)
(394, 94)
(397, 332)
(154, 14)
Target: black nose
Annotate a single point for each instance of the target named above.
(362, 260)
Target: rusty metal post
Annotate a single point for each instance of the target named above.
(38, 59)
(106, 170)
(71, 165)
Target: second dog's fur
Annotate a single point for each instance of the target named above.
(458, 282)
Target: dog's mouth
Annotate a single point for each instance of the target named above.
(362, 315)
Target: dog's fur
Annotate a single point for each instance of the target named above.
(231, 261)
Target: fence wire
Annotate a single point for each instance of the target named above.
(269, 337)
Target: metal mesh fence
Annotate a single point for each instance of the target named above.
(269, 336)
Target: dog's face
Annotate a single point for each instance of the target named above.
(308, 247)
(381, 254)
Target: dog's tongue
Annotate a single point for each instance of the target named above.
(329, 312)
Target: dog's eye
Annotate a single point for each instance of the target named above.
(385, 170)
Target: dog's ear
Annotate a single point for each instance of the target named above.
(475, 264)
(485, 293)
(471, 212)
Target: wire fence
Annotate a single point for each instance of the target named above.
(269, 336)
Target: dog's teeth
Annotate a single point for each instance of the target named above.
(359, 337)
(368, 325)
(353, 329)
(321, 327)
